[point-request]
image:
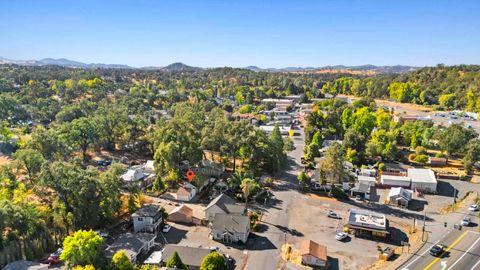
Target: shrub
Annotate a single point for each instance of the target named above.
(422, 159)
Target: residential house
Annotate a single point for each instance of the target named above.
(223, 204)
(399, 196)
(140, 175)
(313, 254)
(181, 214)
(230, 228)
(192, 257)
(147, 218)
(367, 224)
(133, 244)
(185, 192)
(423, 180)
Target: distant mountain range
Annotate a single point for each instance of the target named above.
(364, 69)
(340, 68)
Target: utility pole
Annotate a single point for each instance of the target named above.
(454, 195)
(424, 218)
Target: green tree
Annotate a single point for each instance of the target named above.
(80, 133)
(332, 164)
(454, 139)
(213, 261)
(31, 160)
(176, 262)
(472, 155)
(121, 261)
(303, 179)
(248, 186)
(82, 248)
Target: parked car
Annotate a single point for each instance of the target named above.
(437, 250)
(465, 221)
(104, 162)
(57, 253)
(166, 228)
(473, 208)
(102, 234)
(358, 198)
(340, 236)
(332, 214)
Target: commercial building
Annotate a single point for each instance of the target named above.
(423, 180)
(394, 181)
(367, 224)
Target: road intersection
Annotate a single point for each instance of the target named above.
(462, 251)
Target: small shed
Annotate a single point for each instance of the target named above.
(435, 161)
(181, 214)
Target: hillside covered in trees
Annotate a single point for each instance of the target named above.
(447, 87)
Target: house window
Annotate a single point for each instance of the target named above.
(139, 219)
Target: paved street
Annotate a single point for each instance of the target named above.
(278, 213)
(462, 251)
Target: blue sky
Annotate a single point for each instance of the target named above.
(213, 33)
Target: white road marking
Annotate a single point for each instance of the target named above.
(418, 257)
(475, 265)
(465, 253)
(443, 264)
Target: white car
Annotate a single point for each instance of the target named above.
(340, 236)
(473, 208)
(332, 214)
(465, 221)
(166, 228)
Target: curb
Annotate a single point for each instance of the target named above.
(409, 258)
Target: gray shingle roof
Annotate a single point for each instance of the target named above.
(231, 223)
(190, 256)
(132, 243)
(227, 204)
(147, 210)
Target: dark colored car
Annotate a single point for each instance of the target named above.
(437, 250)
(104, 162)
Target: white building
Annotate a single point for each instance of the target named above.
(367, 180)
(186, 192)
(147, 218)
(140, 175)
(230, 228)
(423, 180)
(395, 181)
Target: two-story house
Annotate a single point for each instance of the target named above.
(230, 228)
(147, 218)
(223, 205)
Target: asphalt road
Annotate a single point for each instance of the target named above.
(462, 251)
(267, 247)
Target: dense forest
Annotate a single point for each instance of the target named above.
(446, 87)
